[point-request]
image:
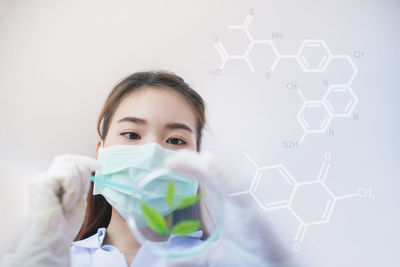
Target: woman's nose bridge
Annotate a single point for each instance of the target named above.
(153, 137)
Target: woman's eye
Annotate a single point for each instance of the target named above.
(175, 141)
(130, 135)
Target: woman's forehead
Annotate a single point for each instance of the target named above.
(156, 104)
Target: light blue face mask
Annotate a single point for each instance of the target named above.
(123, 167)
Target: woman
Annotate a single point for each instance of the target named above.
(143, 108)
(155, 109)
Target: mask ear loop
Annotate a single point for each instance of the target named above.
(93, 174)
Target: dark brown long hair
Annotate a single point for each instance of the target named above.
(98, 211)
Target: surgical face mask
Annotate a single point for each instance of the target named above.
(122, 169)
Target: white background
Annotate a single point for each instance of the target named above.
(60, 59)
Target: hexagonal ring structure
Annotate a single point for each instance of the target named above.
(340, 100)
(264, 189)
(313, 56)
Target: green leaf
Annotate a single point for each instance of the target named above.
(170, 193)
(155, 221)
(186, 227)
(189, 201)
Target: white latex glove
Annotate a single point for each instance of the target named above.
(247, 238)
(57, 204)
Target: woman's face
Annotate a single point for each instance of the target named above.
(149, 114)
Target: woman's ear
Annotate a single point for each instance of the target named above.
(98, 147)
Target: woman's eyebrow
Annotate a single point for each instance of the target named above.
(171, 125)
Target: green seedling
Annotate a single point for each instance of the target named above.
(163, 226)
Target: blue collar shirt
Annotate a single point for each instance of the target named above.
(92, 252)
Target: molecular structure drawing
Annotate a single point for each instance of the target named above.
(264, 176)
(339, 100)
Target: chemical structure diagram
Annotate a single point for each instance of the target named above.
(339, 100)
(264, 176)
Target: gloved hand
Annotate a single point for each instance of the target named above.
(57, 204)
(247, 238)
